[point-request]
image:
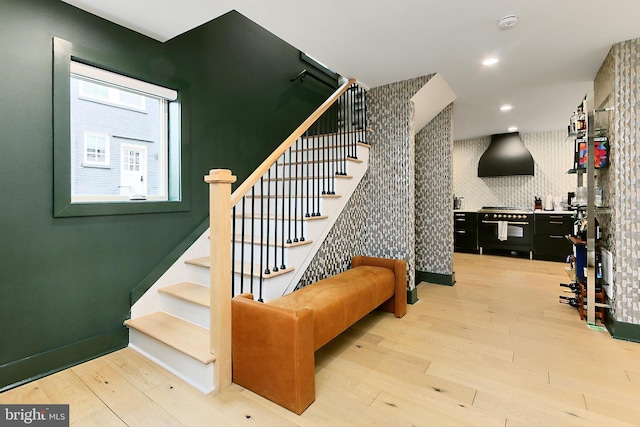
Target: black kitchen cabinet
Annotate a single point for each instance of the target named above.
(549, 241)
(465, 231)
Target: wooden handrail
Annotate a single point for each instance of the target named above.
(269, 161)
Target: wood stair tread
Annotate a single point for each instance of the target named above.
(286, 218)
(188, 291)
(313, 177)
(179, 334)
(300, 196)
(206, 263)
(304, 162)
(359, 143)
(271, 242)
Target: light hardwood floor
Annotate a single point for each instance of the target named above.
(495, 349)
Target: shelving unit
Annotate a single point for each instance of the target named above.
(585, 130)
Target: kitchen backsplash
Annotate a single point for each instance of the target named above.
(552, 154)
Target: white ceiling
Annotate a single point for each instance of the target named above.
(547, 62)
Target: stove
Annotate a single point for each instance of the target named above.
(505, 229)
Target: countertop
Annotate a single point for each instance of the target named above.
(534, 212)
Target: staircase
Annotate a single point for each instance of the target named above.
(280, 217)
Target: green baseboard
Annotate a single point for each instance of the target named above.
(439, 279)
(412, 296)
(621, 330)
(31, 368)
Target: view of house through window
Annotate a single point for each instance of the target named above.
(119, 137)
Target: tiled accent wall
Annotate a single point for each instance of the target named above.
(434, 181)
(379, 220)
(618, 80)
(391, 195)
(346, 239)
(553, 156)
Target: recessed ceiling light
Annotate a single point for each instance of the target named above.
(512, 128)
(506, 107)
(490, 61)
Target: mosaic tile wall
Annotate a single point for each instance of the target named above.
(379, 220)
(434, 181)
(622, 66)
(346, 239)
(552, 153)
(391, 195)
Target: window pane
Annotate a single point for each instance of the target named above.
(118, 143)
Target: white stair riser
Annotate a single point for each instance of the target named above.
(315, 167)
(186, 368)
(271, 252)
(292, 207)
(198, 275)
(314, 186)
(298, 228)
(189, 311)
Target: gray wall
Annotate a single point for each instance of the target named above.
(553, 156)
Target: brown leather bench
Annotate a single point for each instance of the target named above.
(274, 343)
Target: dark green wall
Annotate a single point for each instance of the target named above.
(65, 282)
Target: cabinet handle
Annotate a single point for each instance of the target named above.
(556, 222)
(461, 232)
(557, 237)
(555, 216)
(461, 220)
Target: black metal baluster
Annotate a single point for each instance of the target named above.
(344, 134)
(261, 235)
(233, 252)
(299, 179)
(253, 237)
(352, 133)
(307, 214)
(321, 154)
(314, 140)
(295, 199)
(266, 270)
(334, 143)
(284, 159)
(364, 115)
(290, 178)
(318, 164)
(242, 247)
(275, 221)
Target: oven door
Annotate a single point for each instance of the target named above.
(519, 235)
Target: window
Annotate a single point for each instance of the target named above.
(118, 145)
(96, 149)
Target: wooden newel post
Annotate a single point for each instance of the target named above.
(220, 181)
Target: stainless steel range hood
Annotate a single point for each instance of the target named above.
(506, 156)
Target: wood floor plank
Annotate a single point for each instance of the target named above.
(125, 400)
(137, 369)
(102, 418)
(428, 415)
(627, 411)
(28, 393)
(66, 388)
(187, 405)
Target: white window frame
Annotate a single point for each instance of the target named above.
(115, 84)
(107, 143)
